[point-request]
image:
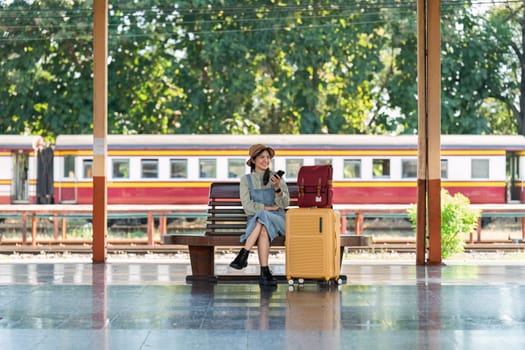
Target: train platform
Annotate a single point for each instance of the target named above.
(145, 303)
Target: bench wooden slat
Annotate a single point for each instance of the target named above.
(228, 232)
(216, 203)
(217, 211)
(225, 219)
(211, 227)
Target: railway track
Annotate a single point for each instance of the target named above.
(142, 248)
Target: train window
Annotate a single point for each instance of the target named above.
(444, 168)
(352, 168)
(381, 168)
(408, 168)
(120, 168)
(207, 168)
(322, 161)
(480, 168)
(150, 168)
(69, 166)
(236, 168)
(178, 168)
(292, 167)
(87, 168)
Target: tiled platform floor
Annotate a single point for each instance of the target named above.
(148, 305)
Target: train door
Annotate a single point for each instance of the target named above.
(513, 178)
(44, 181)
(20, 183)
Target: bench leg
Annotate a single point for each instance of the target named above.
(202, 260)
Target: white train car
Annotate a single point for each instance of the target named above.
(178, 169)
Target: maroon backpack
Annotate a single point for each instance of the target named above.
(315, 186)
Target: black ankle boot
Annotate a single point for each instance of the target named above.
(266, 278)
(241, 260)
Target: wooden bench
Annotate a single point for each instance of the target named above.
(226, 222)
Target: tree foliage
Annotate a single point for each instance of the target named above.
(506, 29)
(475, 69)
(46, 68)
(293, 66)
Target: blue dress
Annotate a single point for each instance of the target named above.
(274, 221)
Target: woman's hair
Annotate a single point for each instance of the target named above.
(266, 176)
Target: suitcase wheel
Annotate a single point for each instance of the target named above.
(291, 281)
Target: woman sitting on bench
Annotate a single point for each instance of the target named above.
(264, 196)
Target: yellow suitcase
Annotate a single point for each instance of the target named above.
(312, 244)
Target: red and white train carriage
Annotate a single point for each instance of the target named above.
(177, 169)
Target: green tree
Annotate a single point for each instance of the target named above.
(471, 73)
(331, 51)
(395, 109)
(218, 78)
(505, 28)
(479, 73)
(46, 67)
(143, 92)
(198, 66)
(287, 68)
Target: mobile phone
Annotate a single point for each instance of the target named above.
(280, 173)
